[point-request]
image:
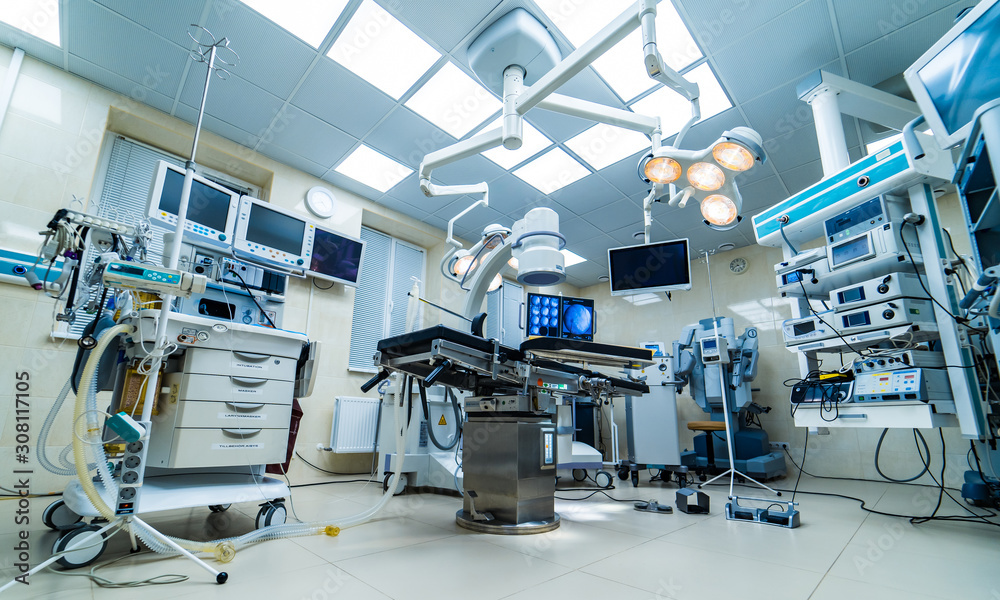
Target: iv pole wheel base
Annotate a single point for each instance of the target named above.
(465, 521)
(222, 577)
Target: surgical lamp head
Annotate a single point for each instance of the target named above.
(537, 245)
(708, 175)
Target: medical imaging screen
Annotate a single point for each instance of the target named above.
(335, 256)
(275, 230)
(207, 206)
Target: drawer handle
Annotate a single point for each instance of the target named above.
(852, 416)
(248, 380)
(241, 432)
(254, 356)
(244, 405)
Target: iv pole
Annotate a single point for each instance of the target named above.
(730, 450)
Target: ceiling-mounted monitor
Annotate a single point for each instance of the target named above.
(958, 74)
(272, 236)
(656, 267)
(336, 257)
(211, 212)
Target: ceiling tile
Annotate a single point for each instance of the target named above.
(338, 96)
(301, 133)
(269, 56)
(708, 131)
(119, 84)
(780, 111)
(474, 169)
(892, 54)
(717, 25)
(624, 177)
(676, 218)
(292, 159)
(168, 19)
(577, 231)
(409, 192)
(747, 73)
(136, 54)
(862, 21)
(509, 194)
(800, 178)
(615, 215)
(440, 22)
(705, 239)
(585, 195)
(408, 137)
(234, 101)
(762, 194)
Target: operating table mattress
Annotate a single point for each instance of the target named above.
(418, 342)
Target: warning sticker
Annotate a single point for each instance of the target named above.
(237, 446)
(442, 421)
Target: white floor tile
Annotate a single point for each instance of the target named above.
(573, 545)
(370, 538)
(838, 588)
(577, 585)
(455, 568)
(681, 572)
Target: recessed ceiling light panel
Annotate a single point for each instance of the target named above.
(39, 18)
(453, 101)
(552, 171)
(373, 169)
(603, 145)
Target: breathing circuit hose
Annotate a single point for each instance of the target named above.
(224, 550)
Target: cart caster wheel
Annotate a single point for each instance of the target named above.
(82, 556)
(623, 474)
(59, 517)
(271, 513)
(222, 577)
(778, 493)
(217, 508)
(635, 478)
(579, 475)
(604, 476)
(400, 487)
(702, 478)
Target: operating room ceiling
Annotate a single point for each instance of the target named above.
(288, 100)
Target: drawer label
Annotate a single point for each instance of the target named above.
(237, 446)
(254, 366)
(246, 391)
(242, 416)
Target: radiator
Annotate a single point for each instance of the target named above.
(355, 424)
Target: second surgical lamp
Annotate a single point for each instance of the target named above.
(707, 175)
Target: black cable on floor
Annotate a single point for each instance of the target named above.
(320, 468)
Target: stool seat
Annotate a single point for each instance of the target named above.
(706, 426)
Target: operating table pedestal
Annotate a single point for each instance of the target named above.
(509, 464)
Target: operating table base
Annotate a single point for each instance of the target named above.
(509, 466)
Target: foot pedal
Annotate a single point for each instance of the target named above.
(788, 517)
(683, 500)
(476, 515)
(654, 507)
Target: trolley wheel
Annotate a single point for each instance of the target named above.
(623, 474)
(83, 556)
(608, 479)
(271, 513)
(400, 487)
(579, 475)
(635, 478)
(218, 508)
(58, 516)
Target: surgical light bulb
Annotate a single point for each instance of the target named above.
(732, 156)
(662, 170)
(719, 210)
(496, 283)
(463, 264)
(513, 263)
(705, 176)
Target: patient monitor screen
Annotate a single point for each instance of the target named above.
(650, 268)
(335, 257)
(275, 230)
(207, 206)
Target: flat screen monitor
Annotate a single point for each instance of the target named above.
(544, 314)
(273, 236)
(563, 317)
(578, 319)
(336, 257)
(211, 211)
(958, 74)
(657, 267)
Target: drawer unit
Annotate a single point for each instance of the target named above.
(197, 413)
(235, 388)
(238, 363)
(188, 447)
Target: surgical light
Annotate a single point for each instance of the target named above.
(719, 211)
(705, 176)
(662, 170)
(464, 262)
(496, 283)
(732, 156)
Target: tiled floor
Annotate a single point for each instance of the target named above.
(603, 549)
